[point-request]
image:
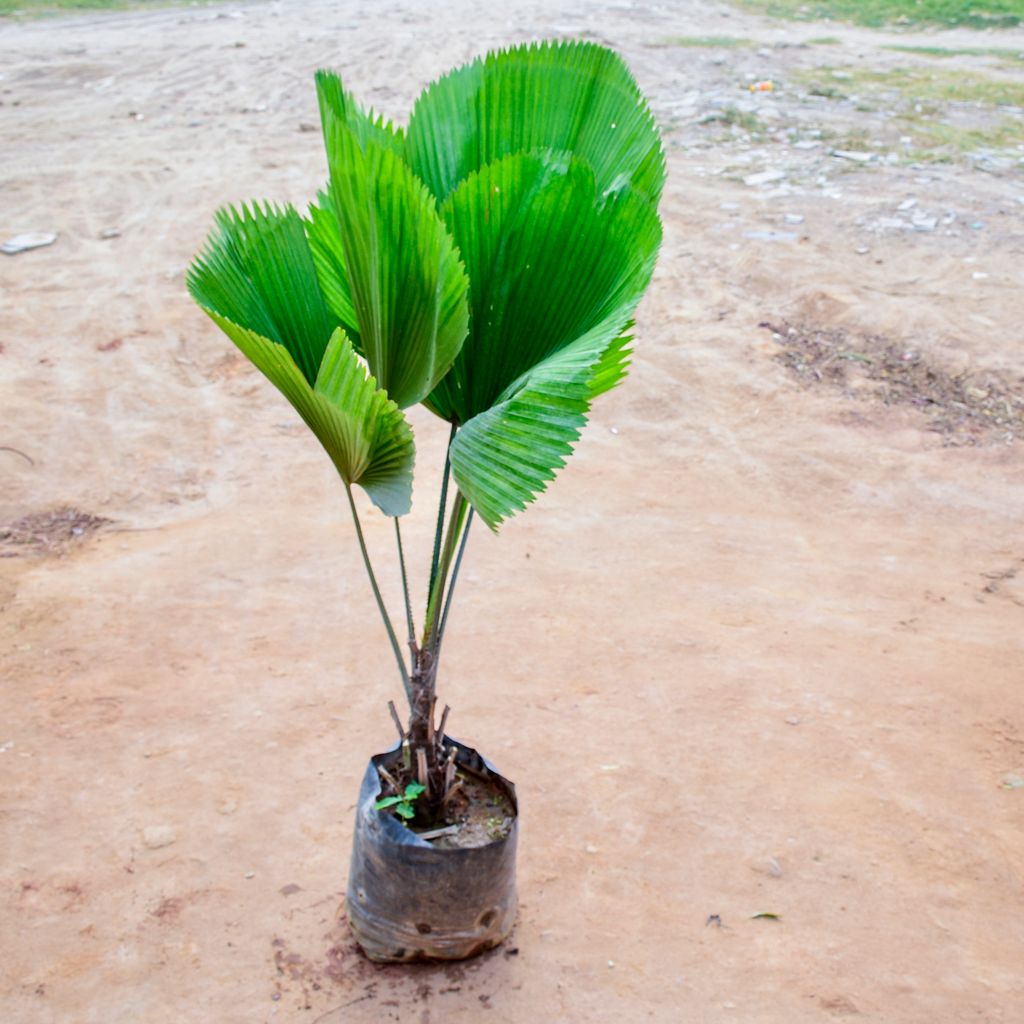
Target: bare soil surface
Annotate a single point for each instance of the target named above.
(759, 650)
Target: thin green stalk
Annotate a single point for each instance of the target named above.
(405, 587)
(441, 508)
(380, 601)
(434, 603)
(451, 588)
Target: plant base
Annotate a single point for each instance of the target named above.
(408, 900)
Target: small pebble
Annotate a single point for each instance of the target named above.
(764, 177)
(857, 156)
(770, 236)
(250, 874)
(157, 836)
(28, 240)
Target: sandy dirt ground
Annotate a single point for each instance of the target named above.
(758, 651)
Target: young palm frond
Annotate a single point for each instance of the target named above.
(487, 262)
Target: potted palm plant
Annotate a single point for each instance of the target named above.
(486, 261)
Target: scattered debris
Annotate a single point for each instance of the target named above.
(47, 533)
(107, 233)
(765, 915)
(28, 240)
(857, 156)
(1009, 782)
(18, 451)
(964, 408)
(840, 1006)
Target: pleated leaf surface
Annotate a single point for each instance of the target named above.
(257, 270)
(505, 456)
(407, 284)
(256, 281)
(556, 272)
(329, 259)
(570, 96)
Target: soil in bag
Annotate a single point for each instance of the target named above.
(444, 892)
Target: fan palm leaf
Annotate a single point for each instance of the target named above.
(575, 97)
(256, 281)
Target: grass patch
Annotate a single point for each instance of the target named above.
(916, 85)
(1000, 53)
(876, 13)
(708, 42)
(937, 135)
(925, 109)
(43, 8)
(737, 121)
(854, 139)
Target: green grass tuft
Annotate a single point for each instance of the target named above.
(708, 42)
(1000, 53)
(43, 8)
(922, 86)
(936, 136)
(876, 13)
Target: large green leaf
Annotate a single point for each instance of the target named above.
(505, 456)
(407, 284)
(548, 262)
(555, 275)
(573, 96)
(329, 260)
(257, 270)
(336, 104)
(365, 434)
(256, 281)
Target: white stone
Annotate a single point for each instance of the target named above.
(157, 836)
